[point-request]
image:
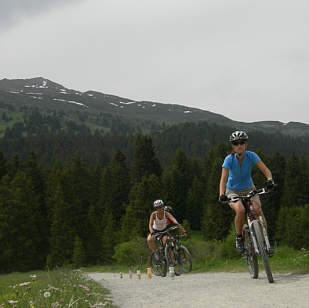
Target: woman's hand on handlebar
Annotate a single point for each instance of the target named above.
(223, 198)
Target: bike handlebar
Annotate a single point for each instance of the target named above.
(251, 194)
(162, 233)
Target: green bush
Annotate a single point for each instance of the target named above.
(293, 227)
(186, 226)
(133, 252)
(228, 250)
(202, 251)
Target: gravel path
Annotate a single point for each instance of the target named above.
(207, 290)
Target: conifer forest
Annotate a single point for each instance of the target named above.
(64, 192)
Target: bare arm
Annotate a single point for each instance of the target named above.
(173, 220)
(264, 170)
(151, 222)
(223, 180)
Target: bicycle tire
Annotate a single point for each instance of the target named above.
(250, 255)
(184, 258)
(257, 229)
(158, 269)
(171, 259)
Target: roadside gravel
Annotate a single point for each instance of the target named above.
(207, 290)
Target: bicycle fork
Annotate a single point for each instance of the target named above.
(259, 223)
(253, 236)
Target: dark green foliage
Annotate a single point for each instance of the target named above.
(132, 253)
(62, 234)
(177, 182)
(115, 187)
(142, 196)
(217, 217)
(110, 237)
(144, 162)
(19, 219)
(293, 226)
(86, 201)
(92, 236)
(292, 185)
(194, 203)
(79, 256)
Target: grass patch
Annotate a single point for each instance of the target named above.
(58, 288)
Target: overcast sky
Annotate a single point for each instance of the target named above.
(245, 59)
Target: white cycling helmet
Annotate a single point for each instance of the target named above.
(158, 203)
(238, 135)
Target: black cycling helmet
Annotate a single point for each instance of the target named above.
(238, 135)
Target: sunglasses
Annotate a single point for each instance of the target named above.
(238, 143)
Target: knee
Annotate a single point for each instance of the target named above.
(240, 210)
(149, 239)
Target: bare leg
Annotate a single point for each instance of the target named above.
(239, 216)
(151, 242)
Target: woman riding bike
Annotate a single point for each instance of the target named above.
(236, 181)
(159, 221)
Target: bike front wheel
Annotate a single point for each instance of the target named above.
(249, 254)
(262, 249)
(171, 259)
(184, 259)
(159, 268)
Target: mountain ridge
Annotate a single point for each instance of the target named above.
(44, 94)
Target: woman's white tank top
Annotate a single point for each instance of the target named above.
(159, 224)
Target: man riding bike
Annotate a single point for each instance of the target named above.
(236, 181)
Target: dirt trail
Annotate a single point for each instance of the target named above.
(207, 290)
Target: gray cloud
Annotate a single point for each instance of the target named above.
(14, 11)
(245, 59)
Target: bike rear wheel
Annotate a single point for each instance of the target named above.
(249, 254)
(262, 249)
(158, 268)
(184, 259)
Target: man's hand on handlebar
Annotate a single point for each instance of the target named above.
(223, 198)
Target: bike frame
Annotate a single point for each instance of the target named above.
(253, 218)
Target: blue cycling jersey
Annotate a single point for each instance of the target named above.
(240, 176)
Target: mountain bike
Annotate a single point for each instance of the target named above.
(172, 254)
(255, 236)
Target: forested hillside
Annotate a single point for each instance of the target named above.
(55, 136)
(50, 212)
(77, 178)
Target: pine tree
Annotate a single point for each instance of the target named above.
(93, 236)
(271, 203)
(217, 217)
(62, 230)
(194, 204)
(79, 255)
(3, 165)
(115, 187)
(38, 183)
(109, 239)
(177, 183)
(19, 219)
(292, 183)
(136, 219)
(144, 161)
